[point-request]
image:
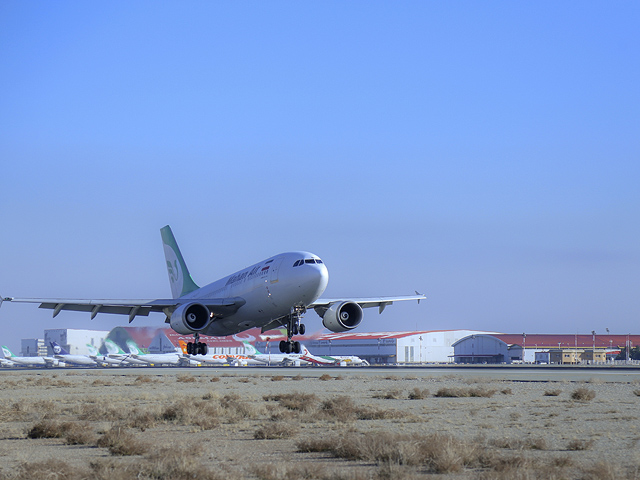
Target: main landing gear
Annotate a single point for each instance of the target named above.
(197, 347)
(294, 327)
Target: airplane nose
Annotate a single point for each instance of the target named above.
(322, 278)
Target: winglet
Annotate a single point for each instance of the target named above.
(179, 277)
(418, 294)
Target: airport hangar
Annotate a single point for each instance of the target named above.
(541, 348)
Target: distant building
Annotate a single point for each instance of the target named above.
(542, 348)
(33, 347)
(574, 356)
(482, 349)
(73, 340)
(428, 346)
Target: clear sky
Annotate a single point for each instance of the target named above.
(486, 154)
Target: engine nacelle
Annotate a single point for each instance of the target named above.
(342, 317)
(190, 318)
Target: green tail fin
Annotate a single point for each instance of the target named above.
(179, 277)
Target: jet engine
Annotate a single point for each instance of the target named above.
(190, 318)
(341, 317)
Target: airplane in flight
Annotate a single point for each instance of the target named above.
(269, 294)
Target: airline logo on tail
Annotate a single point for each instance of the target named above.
(179, 277)
(57, 349)
(250, 349)
(112, 348)
(133, 348)
(174, 270)
(92, 350)
(7, 353)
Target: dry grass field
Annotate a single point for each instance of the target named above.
(205, 424)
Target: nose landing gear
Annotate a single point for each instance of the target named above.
(294, 327)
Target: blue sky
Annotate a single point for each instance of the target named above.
(484, 153)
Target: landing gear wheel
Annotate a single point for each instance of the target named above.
(301, 329)
(202, 348)
(296, 347)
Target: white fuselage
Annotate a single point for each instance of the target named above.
(159, 358)
(270, 289)
(75, 359)
(34, 361)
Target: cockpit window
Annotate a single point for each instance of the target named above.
(297, 263)
(318, 260)
(309, 260)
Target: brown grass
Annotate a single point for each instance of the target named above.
(121, 442)
(450, 392)
(393, 394)
(177, 463)
(274, 430)
(552, 393)
(48, 429)
(577, 445)
(437, 453)
(418, 394)
(295, 401)
(583, 394)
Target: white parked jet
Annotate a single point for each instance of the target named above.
(69, 359)
(271, 358)
(171, 358)
(29, 361)
(273, 293)
(116, 353)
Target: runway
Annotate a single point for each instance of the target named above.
(514, 373)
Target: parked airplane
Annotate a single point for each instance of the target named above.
(271, 358)
(349, 360)
(103, 360)
(116, 353)
(171, 358)
(7, 363)
(62, 355)
(29, 361)
(269, 294)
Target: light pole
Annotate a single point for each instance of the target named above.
(524, 345)
(593, 352)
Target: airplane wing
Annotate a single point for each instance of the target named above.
(221, 307)
(322, 304)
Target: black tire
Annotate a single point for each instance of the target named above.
(189, 348)
(294, 330)
(283, 346)
(296, 347)
(302, 329)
